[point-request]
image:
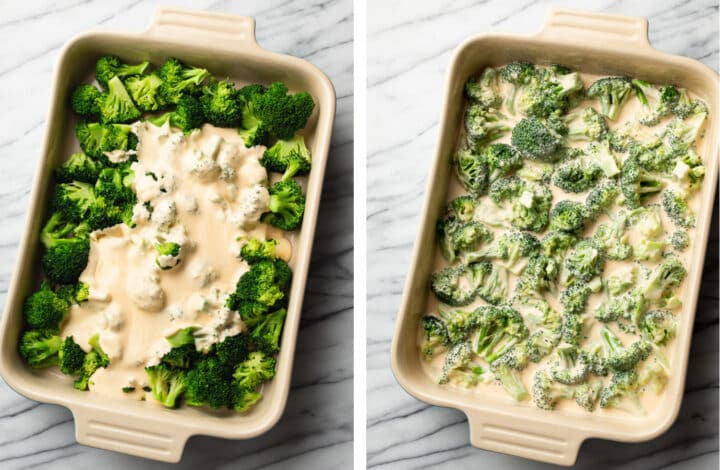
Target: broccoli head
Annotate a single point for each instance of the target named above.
(637, 184)
(282, 113)
(220, 104)
(509, 379)
(168, 255)
(435, 336)
(484, 89)
(471, 170)
(574, 298)
(40, 348)
(179, 79)
(109, 66)
(499, 329)
(551, 93)
(79, 167)
(688, 171)
(601, 198)
(576, 176)
(587, 124)
(253, 131)
(253, 371)
(287, 205)
(483, 125)
(682, 133)
(534, 140)
(209, 383)
(258, 250)
(188, 115)
(623, 385)
(117, 105)
(624, 358)
(513, 250)
(290, 157)
(266, 334)
(71, 357)
(167, 384)
(663, 280)
(45, 310)
(64, 258)
(677, 209)
(585, 261)
(85, 100)
(680, 240)
(568, 216)
(94, 360)
(656, 102)
(658, 326)
(243, 400)
(454, 285)
(145, 92)
(519, 75)
(613, 238)
(265, 283)
(612, 92)
(629, 306)
(96, 138)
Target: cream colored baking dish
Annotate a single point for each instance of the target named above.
(592, 43)
(226, 45)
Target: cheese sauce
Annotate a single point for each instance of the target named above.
(204, 191)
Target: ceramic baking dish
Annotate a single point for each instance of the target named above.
(225, 45)
(591, 43)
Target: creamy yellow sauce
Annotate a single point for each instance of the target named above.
(207, 192)
(649, 399)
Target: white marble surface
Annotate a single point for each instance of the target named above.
(316, 430)
(409, 47)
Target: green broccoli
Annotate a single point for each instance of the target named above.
(689, 170)
(209, 383)
(656, 102)
(79, 167)
(483, 125)
(96, 138)
(64, 258)
(613, 238)
(637, 184)
(576, 176)
(117, 105)
(287, 205)
(585, 261)
(682, 133)
(601, 155)
(282, 113)
(74, 294)
(547, 392)
(663, 280)
(114, 185)
(571, 329)
(574, 298)
(587, 124)
(534, 140)
(621, 358)
(622, 385)
(94, 360)
(499, 329)
(109, 66)
(567, 365)
(265, 283)
(145, 92)
(168, 255)
(45, 310)
(71, 357)
(677, 209)
(179, 80)
(256, 369)
(601, 198)
(220, 104)
(568, 216)
(188, 115)
(490, 282)
(509, 379)
(167, 384)
(289, 157)
(243, 400)
(454, 285)
(629, 306)
(266, 334)
(484, 90)
(40, 348)
(658, 326)
(85, 100)
(471, 170)
(183, 353)
(512, 250)
(253, 131)
(462, 239)
(518, 75)
(612, 92)
(258, 250)
(435, 336)
(550, 94)
(680, 240)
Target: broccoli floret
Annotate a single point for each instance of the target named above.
(507, 188)
(104, 215)
(45, 310)
(145, 92)
(114, 185)
(628, 306)
(179, 80)
(188, 115)
(613, 238)
(584, 262)
(568, 216)
(539, 172)
(266, 334)
(111, 66)
(567, 365)
(471, 170)
(283, 113)
(73, 200)
(243, 400)
(85, 100)
(40, 348)
(655, 374)
(258, 250)
(253, 131)
(587, 124)
(682, 133)
(542, 341)
(519, 75)
(499, 330)
(501, 160)
(555, 244)
(462, 208)
(546, 393)
(454, 285)
(256, 369)
(456, 361)
(658, 327)
(601, 198)
(465, 240)
(167, 384)
(513, 250)
(601, 155)
(116, 105)
(74, 294)
(550, 94)
(656, 102)
(484, 90)
(621, 281)
(64, 258)
(680, 240)
(71, 357)
(435, 334)
(576, 176)
(612, 92)
(655, 158)
(220, 104)
(539, 275)
(534, 140)
(94, 360)
(265, 283)
(287, 205)
(572, 329)
(688, 171)
(459, 323)
(637, 184)
(491, 282)
(209, 383)
(663, 280)
(79, 167)
(622, 385)
(529, 202)
(574, 298)
(289, 157)
(183, 352)
(677, 209)
(510, 380)
(649, 243)
(621, 358)
(96, 138)
(168, 255)
(483, 125)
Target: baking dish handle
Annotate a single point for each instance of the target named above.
(139, 436)
(527, 438)
(595, 28)
(211, 29)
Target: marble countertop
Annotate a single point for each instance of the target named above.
(409, 49)
(316, 429)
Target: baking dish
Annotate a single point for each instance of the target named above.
(586, 42)
(226, 45)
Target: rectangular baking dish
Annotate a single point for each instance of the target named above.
(592, 43)
(226, 45)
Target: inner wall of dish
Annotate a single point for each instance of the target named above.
(473, 58)
(77, 66)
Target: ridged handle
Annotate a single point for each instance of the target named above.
(129, 434)
(598, 28)
(215, 29)
(526, 438)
